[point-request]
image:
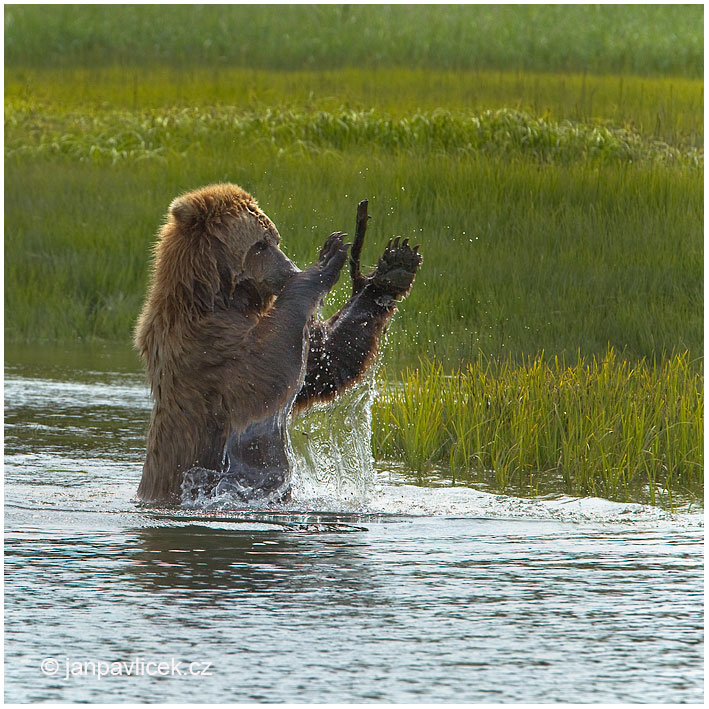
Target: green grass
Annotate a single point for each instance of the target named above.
(601, 427)
(666, 109)
(520, 254)
(605, 39)
(113, 136)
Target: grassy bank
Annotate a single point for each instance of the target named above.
(601, 427)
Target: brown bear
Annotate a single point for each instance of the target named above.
(232, 344)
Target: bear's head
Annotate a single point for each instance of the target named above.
(218, 247)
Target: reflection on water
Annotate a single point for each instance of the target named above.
(417, 595)
(211, 562)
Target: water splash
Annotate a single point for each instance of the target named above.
(208, 489)
(331, 451)
(330, 456)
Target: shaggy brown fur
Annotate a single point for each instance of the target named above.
(230, 340)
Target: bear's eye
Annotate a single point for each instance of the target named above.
(259, 247)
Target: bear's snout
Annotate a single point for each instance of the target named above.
(281, 271)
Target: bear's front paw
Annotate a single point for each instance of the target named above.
(396, 269)
(332, 258)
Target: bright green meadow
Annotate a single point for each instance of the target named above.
(548, 159)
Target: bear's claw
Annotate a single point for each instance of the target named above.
(331, 260)
(397, 268)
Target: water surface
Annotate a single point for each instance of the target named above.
(354, 593)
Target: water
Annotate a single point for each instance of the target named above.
(390, 594)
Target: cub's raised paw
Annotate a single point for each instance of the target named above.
(397, 268)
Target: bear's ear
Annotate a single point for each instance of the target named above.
(183, 210)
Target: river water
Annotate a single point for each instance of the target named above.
(364, 589)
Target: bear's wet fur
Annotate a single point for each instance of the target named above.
(232, 344)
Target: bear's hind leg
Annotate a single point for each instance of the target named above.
(255, 467)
